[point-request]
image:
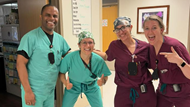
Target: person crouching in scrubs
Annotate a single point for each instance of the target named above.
(83, 67)
(132, 77)
(171, 60)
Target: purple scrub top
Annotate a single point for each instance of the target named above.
(169, 73)
(119, 52)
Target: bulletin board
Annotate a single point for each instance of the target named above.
(81, 11)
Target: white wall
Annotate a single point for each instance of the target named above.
(96, 23)
(178, 17)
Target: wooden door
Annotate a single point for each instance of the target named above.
(29, 14)
(109, 14)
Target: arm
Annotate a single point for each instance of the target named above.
(185, 69)
(67, 83)
(175, 58)
(102, 54)
(23, 75)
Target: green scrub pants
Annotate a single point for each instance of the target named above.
(41, 100)
(92, 93)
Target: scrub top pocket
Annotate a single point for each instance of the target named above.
(58, 57)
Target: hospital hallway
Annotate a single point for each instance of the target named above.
(9, 100)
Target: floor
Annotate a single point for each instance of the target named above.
(9, 100)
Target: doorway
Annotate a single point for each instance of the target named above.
(109, 14)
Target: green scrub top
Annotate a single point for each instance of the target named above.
(42, 74)
(73, 64)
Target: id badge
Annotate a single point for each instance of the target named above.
(176, 87)
(155, 74)
(143, 88)
(51, 58)
(132, 68)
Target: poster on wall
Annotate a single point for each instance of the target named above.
(105, 22)
(144, 12)
(81, 11)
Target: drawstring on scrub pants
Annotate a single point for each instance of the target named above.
(85, 87)
(133, 95)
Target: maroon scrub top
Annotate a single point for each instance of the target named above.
(119, 52)
(170, 73)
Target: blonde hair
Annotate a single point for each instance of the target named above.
(155, 18)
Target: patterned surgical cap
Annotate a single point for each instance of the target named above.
(122, 21)
(85, 34)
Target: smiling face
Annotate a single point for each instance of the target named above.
(49, 19)
(153, 32)
(124, 32)
(86, 46)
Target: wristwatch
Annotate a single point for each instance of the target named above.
(183, 64)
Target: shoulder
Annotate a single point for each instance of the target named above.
(97, 57)
(172, 42)
(57, 34)
(73, 53)
(59, 37)
(143, 43)
(115, 43)
(31, 35)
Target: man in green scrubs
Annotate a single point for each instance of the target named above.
(39, 55)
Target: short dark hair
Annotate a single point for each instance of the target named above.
(47, 5)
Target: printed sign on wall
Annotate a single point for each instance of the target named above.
(81, 16)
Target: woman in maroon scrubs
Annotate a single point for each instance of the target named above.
(170, 60)
(133, 80)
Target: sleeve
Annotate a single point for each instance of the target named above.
(66, 47)
(110, 52)
(27, 44)
(103, 69)
(182, 52)
(64, 66)
(23, 53)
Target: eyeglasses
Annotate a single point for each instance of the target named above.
(117, 30)
(51, 57)
(85, 43)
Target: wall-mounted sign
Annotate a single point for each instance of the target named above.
(81, 16)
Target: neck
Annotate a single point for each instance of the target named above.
(50, 32)
(85, 58)
(158, 45)
(129, 42)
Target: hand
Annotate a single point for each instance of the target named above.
(30, 98)
(101, 81)
(172, 57)
(68, 84)
(96, 50)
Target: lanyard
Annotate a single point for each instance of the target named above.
(89, 67)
